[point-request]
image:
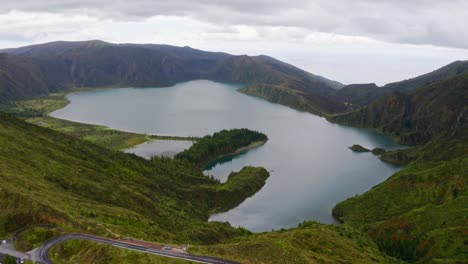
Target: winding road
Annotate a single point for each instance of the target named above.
(41, 254)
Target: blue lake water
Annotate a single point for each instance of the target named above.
(310, 164)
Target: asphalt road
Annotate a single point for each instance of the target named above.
(9, 249)
(42, 253)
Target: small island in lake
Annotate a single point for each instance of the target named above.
(378, 151)
(375, 151)
(358, 148)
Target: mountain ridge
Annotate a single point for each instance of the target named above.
(64, 65)
(416, 117)
(364, 94)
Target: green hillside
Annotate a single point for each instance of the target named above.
(310, 242)
(48, 177)
(80, 251)
(296, 94)
(416, 117)
(418, 214)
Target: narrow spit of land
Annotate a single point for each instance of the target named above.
(37, 111)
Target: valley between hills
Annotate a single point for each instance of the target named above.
(74, 177)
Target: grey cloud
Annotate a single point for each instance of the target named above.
(433, 22)
(16, 37)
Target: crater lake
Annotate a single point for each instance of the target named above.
(308, 158)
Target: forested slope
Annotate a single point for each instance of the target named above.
(418, 214)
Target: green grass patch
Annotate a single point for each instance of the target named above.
(36, 107)
(34, 237)
(99, 135)
(87, 252)
(311, 242)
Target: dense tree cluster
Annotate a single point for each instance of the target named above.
(220, 143)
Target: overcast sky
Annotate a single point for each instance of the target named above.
(350, 41)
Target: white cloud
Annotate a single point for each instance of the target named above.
(350, 41)
(430, 22)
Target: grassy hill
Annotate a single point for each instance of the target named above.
(418, 214)
(310, 242)
(80, 251)
(48, 177)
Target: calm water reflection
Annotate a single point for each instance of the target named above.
(166, 148)
(311, 166)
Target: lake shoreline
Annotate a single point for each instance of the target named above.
(299, 164)
(238, 151)
(39, 111)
